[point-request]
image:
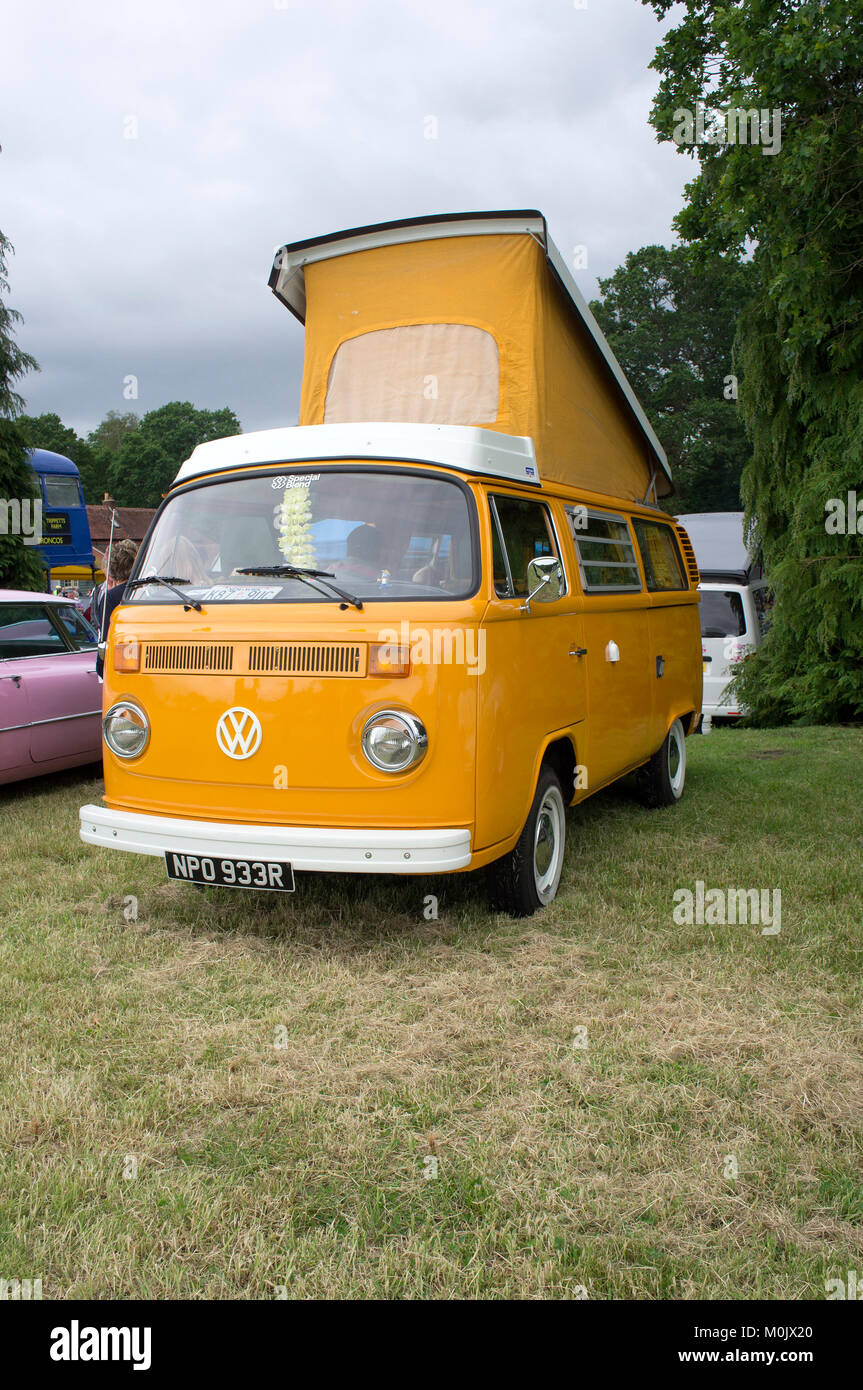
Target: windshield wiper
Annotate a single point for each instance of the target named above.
(169, 582)
(307, 575)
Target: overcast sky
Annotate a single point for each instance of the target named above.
(258, 122)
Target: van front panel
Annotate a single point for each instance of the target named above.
(282, 587)
(308, 767)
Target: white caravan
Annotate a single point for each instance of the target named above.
(734, 605)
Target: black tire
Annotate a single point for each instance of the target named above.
(662, 780)
(528, 877)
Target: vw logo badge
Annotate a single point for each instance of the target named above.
(238, 732)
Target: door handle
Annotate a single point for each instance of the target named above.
(16, 679)
(578, 651)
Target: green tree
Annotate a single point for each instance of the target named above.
(149, 457)
(20, 564)
(113, 430)
(49, 432)
(141, 472)
(671, 325)
(799, 345)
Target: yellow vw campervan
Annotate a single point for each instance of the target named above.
(402, 636)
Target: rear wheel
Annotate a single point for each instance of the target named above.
(528, 877)
(661, 782)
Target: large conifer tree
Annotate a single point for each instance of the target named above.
(799, 343)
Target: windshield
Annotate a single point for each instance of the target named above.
(60, 490)
(380, 533)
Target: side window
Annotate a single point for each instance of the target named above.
(663, 567)
(81, 633)
(26, 630)
(501, 578)
(527, 534)
(606, 557)
(762, 600)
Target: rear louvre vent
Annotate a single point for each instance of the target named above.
(308, 659)
(188, 656)
(688, 555)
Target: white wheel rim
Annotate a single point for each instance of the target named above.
(676, 758)
(548, 844)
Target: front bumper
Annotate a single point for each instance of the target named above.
(315, 848)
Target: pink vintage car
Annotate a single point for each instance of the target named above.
(50, 695)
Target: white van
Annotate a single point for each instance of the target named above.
(734, 604)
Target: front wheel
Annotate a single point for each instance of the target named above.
(661, 781)
(527, 878)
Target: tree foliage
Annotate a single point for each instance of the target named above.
(20, 565)
(48, 432)
(799, 345)
(134, 460)
(671, 323)
(141, 472)
(113, 430)
(148, 458)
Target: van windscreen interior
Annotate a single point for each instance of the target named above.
(379, 534)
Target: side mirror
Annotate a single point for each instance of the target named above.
(544, 581)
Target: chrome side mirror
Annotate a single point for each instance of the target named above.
(544, 581)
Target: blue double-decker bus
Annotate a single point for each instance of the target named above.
(65, 546)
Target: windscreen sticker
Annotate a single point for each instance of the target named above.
(290, 480)
(239, 592)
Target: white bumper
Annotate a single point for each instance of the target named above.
(714, 699)
(316, 848)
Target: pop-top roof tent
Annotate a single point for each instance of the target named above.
(468, 319)
(720, 546)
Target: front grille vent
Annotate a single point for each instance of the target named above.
(258, 659)
(307, 659)
(178, 657)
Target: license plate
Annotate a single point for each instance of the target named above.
(263, 874)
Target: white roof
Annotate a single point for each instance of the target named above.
(718, 541)
(464, 447)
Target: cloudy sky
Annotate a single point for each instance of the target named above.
(155, 155)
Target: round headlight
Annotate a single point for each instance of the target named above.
(126, 729)
(394, 740)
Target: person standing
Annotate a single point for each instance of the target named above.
(122, 562)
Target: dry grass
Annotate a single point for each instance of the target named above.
(282, 1070)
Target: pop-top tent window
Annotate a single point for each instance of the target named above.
(431, 373)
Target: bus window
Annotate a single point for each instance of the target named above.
(60, 490)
